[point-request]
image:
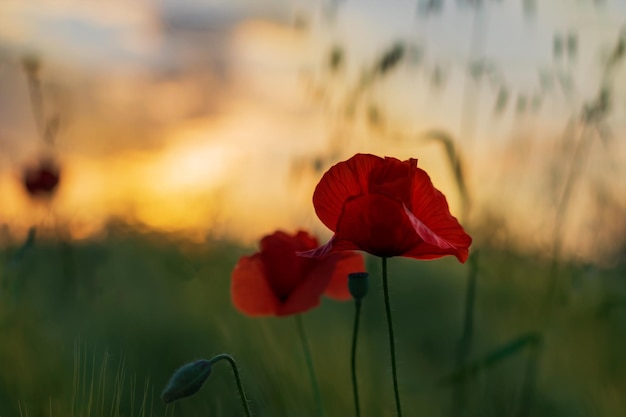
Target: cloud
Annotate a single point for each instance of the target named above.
(95, 35)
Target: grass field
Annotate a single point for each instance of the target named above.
(96, 329)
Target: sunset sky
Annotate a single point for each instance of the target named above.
(197, 116)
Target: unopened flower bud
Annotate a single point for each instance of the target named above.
(42, 179)
(358, 284)
(186, 381)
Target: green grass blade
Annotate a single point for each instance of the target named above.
(491, 359)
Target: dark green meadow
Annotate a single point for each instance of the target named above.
(96, 328)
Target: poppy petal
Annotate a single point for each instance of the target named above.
(434, 246)
(335, 244)
(377, 224)
(328, 276)
(341, 182)
(346, 263)
(427, 252)
(307, 295)
(429, 205)
(282, 266)
(250, 290)
(394, 178)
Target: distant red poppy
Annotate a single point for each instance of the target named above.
(386, 207)
(42, 179)
(277, 282)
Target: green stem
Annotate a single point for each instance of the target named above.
(465, 343)
(392, 346)
(355, 333)
(309, 364)
(530, 380)
(233, 364)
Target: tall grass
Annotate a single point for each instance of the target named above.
(97, 392)
(162, 303)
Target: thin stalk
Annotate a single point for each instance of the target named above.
(47, 127)
(392, 345)
(530, 380)
(309, 364)
(596, 111)
(459, 396)
(36, 99)
(579, 157)
(233, 365)
(355, 333)
(470, 98)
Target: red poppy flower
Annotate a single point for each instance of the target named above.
(386, 207)
(43, 179)
(276, 281)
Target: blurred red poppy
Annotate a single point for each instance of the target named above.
(386, 207)
(42, 179)
(277, 282)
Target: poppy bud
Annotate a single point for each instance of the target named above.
(186, 381)
(358, 284)
(43, 179)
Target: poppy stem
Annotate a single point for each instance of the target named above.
(233, 365)
(392, 346)
(309, 364)
(355, 333)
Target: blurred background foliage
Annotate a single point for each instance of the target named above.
(160, 122)
(116, 316)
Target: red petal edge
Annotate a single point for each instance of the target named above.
(342, 181)
(435, 246)
(346, 263)
(250, 291)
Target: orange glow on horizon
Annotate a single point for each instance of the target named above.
(231, 138)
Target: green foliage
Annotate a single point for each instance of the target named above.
(96, 392)
(491, 359)
(106, 341)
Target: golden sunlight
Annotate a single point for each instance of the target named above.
(222, 122)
